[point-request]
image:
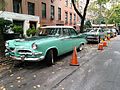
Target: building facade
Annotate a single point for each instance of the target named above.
(50, 12)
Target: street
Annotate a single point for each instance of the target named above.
(98, 70)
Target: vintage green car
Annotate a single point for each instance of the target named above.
(52, 41)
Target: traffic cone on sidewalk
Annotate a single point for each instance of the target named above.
(104, 44)
(108, 38)
(100, 46)
(74, 61)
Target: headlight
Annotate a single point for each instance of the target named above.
(34, 46)
(6, 44)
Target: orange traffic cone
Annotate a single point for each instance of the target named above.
(104, 44)
(108, 38)
(74, 61)
(100, 46)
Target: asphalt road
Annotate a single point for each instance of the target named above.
(102, 72)
(98, 70)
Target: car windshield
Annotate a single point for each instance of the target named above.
(50, 31)
(88, 29)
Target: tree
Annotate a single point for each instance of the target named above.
(2, 5)
(115, 16)
(4, 25)
(100, 9)
(88, 24)
(79, 13)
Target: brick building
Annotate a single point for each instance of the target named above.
(50, 12)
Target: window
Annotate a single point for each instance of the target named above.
(17, 6)
(66, 3)
(43, 10)
(72, 32)
(51, 31)
(70, 18)
(66, 32)
(52, 12)
(66, 17)
(31, 7)
(59, 13)
(74, 19)
(70, 4)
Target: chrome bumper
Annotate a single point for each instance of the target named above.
(27, 59)
(23, 56)
(92, 40)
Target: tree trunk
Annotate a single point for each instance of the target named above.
(82, 26)
(2, 44)
(80, 15)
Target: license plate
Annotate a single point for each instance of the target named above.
(23, 57)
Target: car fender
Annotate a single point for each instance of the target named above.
(53, 47)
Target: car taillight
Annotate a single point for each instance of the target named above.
(34, 46)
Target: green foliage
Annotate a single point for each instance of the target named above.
(115, 16)
(100, 11)
(2, 5)
(31, 31)
(88, 24)
(102, 1)
(17, 29)
(4, 24)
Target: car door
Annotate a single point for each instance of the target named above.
(65, 41)
(74, 38)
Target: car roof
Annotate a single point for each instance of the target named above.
(57, 27)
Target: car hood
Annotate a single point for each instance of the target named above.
(90, 33)
(30, 41)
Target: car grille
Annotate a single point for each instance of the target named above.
(92, 36)
(24, 52)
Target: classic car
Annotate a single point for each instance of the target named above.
(114, 32)
(95, 35)
(52, 41)
(111, 32)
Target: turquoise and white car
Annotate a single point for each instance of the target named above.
(52, 41)
(95, 35)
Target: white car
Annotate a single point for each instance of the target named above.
(114, 32)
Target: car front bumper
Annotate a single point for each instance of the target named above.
(92, 38)
(23, 56)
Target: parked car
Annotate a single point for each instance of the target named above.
(95, 35)
(87, 29)
(52, 41)
(109, 32)
(114, 32)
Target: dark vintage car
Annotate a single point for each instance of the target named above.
(53, 41)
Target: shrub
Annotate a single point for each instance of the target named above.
(31, 31)
(17, 29)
